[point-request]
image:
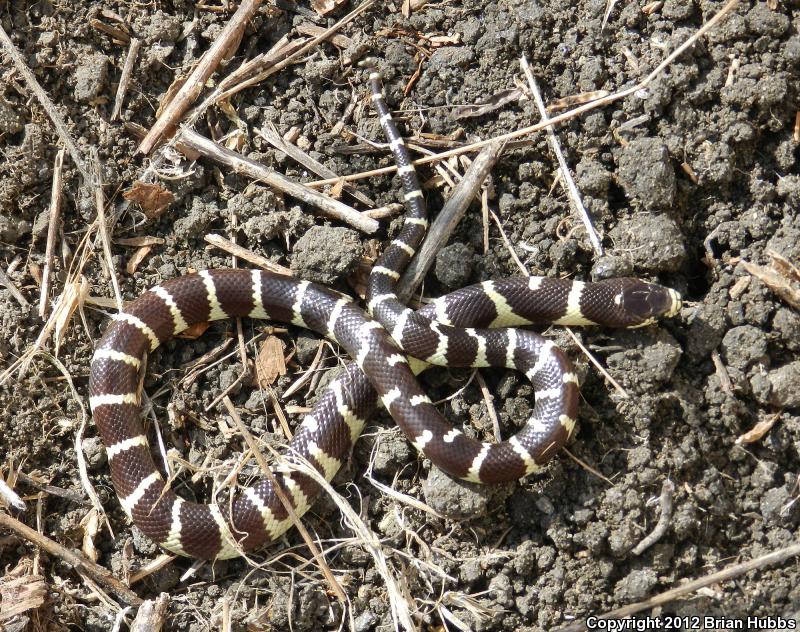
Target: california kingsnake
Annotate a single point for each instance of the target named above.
(455, 330)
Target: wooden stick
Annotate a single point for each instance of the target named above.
(76, 560)
(125, 78)
(243, 253)
(257, 171)
(224, 44)
(9, 285)
(52, 231)
(442, 227)
(298, 155)
(152, 615)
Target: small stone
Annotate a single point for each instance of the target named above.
(501, 589)
(636, 586)
(784, 381)
(453, 497)
(94, 452)
(654, 242)
(392, 452)
(611, 267)
(786, 324)
(647, 174)
(762, 20)
(454, 265)
(744, 345)
(772, 503)
(326, 254)
(365, 621)
(90, 78)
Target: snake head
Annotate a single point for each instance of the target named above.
(643, 303)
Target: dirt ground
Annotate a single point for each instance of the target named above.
(687, 180)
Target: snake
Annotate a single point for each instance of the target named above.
(476, 326)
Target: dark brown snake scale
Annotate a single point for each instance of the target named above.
(470, 327)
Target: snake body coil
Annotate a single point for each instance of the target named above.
(470, 327)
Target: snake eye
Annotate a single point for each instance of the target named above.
(647, 301)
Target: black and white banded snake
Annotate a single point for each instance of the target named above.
(475, 326)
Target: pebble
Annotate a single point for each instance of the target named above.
(635, 586)
(744, 345)
(784, 381)
(94, 452)
(454, 264)
(453, 497)
(653, 242)
(90, 77)
(647, 174)
(786, 324)
(326, 254)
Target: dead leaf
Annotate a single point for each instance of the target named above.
(137, 258)
(324, 7)
(437, 41)
(173, 89)
(90, 525)
(193, 332)
(784, 266)
(495, 102)
(153, 198)
(73, 295)
(776, 282)
(756, 432)
(270, 362)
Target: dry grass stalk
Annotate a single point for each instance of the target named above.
(597, 364)
(782, 277)
(572, 188)
(103, 227)
(6, 281)
(125, 78)
(53, 225)
(488, 399)
(293, 151)
(152, 566)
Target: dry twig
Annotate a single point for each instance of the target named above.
(52, 231)
(75, 560)
(225, 44)
(667, 490)
(731, 572)
(257, 171)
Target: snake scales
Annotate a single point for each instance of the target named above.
(470, 327)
